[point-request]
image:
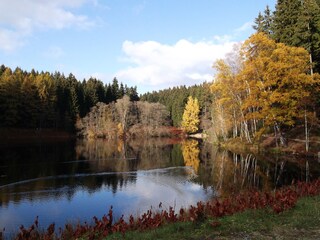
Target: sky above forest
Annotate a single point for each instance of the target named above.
(151, 44)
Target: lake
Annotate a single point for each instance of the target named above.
(70, 182)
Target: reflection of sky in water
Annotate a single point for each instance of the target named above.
(169, 186)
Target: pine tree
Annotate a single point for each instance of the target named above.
(285, 20)
(29, 108)
(307, 32)
(115, 89)
(10, 99)
(258, 23)
(190, 119)
(297, 23)
(263, 22)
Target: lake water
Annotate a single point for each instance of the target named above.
(70, 182)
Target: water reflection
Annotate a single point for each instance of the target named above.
(77, 180)
(231, 172)
(119, 156)
(190, 152)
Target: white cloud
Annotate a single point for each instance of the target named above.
(20, 18)
(157, 65)
(9, 40)
(245, 27)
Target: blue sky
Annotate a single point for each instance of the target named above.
(151, 44)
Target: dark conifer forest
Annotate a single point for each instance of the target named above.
(51, 100)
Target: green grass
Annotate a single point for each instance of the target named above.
(301, 222)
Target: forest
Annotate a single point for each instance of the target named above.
(268, 84)
(36, 100)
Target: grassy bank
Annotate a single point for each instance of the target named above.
(301, 222)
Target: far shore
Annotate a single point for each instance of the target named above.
(295, 145)
(27, 135)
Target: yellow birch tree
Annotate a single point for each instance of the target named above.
(279, 82)
(270, 89)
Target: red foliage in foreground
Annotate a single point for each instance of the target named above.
(280, 200)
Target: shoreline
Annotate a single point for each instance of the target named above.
(294, 147)
(264, 204)
(16, 135)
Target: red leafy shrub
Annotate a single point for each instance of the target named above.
(279, 201)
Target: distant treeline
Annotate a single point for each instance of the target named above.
(51, 100)
(175, 100)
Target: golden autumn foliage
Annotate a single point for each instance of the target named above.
(190, 152)
(120, 130)
(269, 89)
(190, 118)
(277, 80)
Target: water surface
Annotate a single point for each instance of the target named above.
(74, 181)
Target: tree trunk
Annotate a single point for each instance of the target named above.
(306, 130)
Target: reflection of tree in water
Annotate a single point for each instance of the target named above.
(248, 173)
(119, 156)
(55, 170)
(129, 156)
(190, 152)
(51, 170)
(156, 153)
(64, 187)
(114, 181)
(229, 172)
(28, 161)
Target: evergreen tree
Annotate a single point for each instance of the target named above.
(109, 94)
(132, 93)
(81, 98)
(2, 69)
(263, 22)
(46, 91)
(90, 94)
(297, 23)
(115, 94)
(307, 32)
(285, 20)
(121, 91)
(9, 99)
(258, 23)
(73, 105)
(62, 96)
(30, 106)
